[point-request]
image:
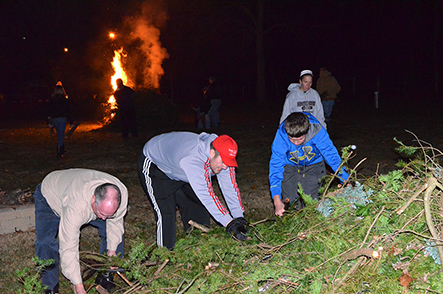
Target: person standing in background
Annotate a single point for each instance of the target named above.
(58, 115)
(214, 95)
(328, 88)
(302, 98)
(126, 107)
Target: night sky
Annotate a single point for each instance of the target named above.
(394, 46)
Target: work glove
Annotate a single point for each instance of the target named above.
(242, 221)
(236, 228)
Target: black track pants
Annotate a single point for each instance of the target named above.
(166, 196)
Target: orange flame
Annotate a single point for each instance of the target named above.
(117, 65)
(119, 74)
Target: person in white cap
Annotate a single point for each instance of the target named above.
(302, 98)
(176, 170)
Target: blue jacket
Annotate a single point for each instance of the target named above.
(316, 148)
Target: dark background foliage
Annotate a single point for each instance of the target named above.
(387, 46)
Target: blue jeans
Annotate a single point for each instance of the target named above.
(327, 108)
(46, 244)
(199, 117)
(213, 113)
(59, 124)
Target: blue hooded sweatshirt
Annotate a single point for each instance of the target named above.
(316, 148)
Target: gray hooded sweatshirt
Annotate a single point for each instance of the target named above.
(184, 156)
(299, 101)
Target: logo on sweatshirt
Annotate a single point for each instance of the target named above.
(308, 154)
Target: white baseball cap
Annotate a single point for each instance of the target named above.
(306, 72)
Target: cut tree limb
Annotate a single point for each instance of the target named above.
(345, 277)
(372, 225)
(412, 199)
(198, 226)
(368, 252)
(158, 271)
(101, 290)
(124, 278)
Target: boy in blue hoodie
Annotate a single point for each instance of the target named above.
(299, 151)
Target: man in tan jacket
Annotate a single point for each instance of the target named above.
(327, 88)
(64, 202)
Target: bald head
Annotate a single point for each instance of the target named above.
(106, 199)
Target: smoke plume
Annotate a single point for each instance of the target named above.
(145, 32)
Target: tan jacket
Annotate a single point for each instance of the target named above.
(69, 194)
(327, 86)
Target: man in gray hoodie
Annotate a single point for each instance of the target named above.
(175, 170)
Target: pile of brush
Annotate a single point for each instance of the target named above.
(377, 235)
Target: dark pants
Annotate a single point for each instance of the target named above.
(46, 244)
(129, 124)
(59, 124)
(309, 178)
(165, 196)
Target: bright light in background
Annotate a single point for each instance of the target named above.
(111, 35)
(65, 49)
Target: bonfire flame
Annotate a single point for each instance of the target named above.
(119, 74)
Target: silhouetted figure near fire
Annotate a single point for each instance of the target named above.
(124, 96)
(58, 115)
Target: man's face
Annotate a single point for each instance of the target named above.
(297, 140)
(216, 162)
(306, 83)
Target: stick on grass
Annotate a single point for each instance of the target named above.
(198, 226)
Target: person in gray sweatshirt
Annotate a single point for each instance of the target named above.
(302, 98)
(176, 170)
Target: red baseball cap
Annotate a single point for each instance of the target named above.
(227, 148)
